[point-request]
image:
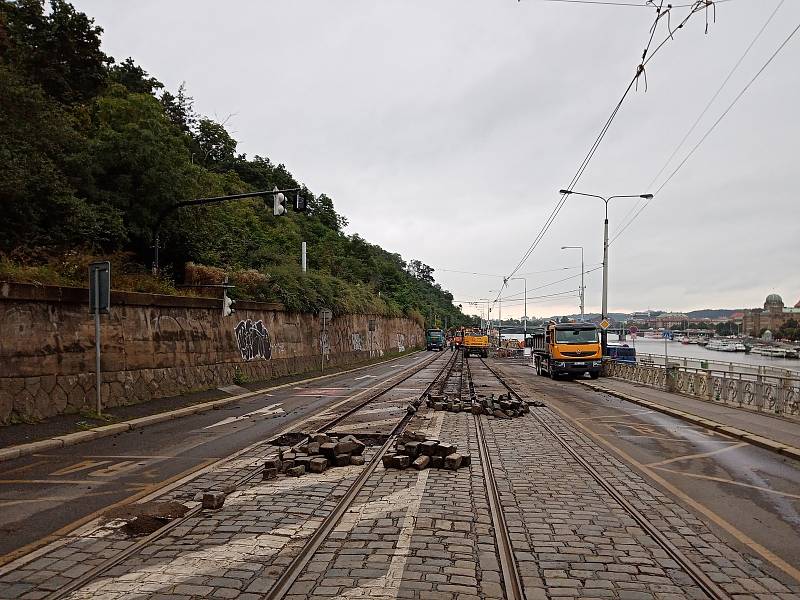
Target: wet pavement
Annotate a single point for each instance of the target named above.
(429, 534)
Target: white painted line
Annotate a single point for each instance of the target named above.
(365, 377)
(267, 411)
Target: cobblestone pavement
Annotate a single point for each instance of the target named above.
(219, 537)
(424, 535)
(413, 534)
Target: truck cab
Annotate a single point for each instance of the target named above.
(434, 339)
(567, 349)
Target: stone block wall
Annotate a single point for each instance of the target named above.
(156, 346)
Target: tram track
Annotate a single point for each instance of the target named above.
(118, 558)
(708, 586)
(293, 570)
(508, 565)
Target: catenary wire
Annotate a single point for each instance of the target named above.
(695, 8)
(519, 296)
(699, 118)
(710, 129)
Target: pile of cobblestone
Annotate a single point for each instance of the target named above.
(415, 450)
(503, 407)
(444, 402)
(316, 455)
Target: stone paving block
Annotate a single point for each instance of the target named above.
(318, 464)
(422, 462)
(452, 461)
(213, 500)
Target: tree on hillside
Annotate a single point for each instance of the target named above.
(59, 51)
(420, 270)
(133, 77)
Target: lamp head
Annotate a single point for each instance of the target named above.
(564, 191)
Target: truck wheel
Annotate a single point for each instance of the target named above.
(594, 375)
(553, 375)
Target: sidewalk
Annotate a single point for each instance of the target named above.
(765, 430)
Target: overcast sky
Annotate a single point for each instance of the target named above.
(444, 129)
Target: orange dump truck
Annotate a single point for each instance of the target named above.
(567, 349)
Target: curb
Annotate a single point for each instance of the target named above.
(71, 439)
(735, 432)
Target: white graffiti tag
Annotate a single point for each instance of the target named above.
(253, 340)
(357, 344)
(401, 342)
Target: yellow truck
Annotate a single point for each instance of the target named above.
(567, 349)
(476, 343)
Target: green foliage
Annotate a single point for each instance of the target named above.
(92, 162)
(790, 330)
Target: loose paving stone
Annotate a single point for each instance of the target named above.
(318, 464)
(213, 500)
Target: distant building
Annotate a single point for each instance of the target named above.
(772, 316)
(670, 320)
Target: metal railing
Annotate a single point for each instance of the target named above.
(765, 393)
(716, 365)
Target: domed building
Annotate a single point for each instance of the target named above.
(774, 314)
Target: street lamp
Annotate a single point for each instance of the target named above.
(604, 335)
(525, 322)
(583, 287)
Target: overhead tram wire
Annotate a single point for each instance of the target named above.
(640, 70)
(501, 276)
(710, 129)
(626, 4)
(518, 296)
(701, 115)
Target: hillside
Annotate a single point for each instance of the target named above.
(94, 149)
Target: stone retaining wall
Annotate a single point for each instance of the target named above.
(155, 346)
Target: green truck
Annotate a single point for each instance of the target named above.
(434, 339)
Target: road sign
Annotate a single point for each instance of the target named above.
(325, 316)
(605, 324)
(633, 329)
(99, 301)
(99, 286)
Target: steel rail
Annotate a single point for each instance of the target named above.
(113, 561)
(505, 549)
(294, 569)
(711, 589)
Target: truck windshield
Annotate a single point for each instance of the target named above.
(576, 336)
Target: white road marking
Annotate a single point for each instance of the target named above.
(365, 377)
(267, 411)
(388, 586)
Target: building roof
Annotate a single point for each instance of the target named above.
(774, 299)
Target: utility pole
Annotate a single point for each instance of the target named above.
(604, 333)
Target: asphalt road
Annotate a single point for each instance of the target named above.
(44, 495)
(750, 496)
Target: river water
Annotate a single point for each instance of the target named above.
(676, 349)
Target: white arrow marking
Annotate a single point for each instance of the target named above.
(267, 411)
(365, 377)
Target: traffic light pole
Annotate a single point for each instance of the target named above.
(198, 202)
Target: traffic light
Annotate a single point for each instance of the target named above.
(278, 204)
(227, 304)
(300, 204)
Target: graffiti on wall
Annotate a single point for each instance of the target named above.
(401, 342)
(324, 343)
(357, 342)
(252, 338)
